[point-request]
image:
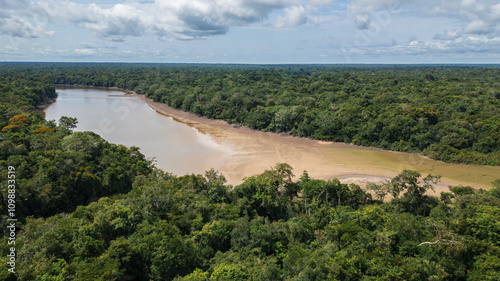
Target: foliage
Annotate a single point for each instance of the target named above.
(56, 169)
(171, 227)
(91, 210)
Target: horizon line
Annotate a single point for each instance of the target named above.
(247, 63)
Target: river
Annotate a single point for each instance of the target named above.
(183, 143)
(126, 120)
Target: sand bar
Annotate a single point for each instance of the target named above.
(256, 151)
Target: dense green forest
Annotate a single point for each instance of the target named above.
(447, 112)
(91, 210)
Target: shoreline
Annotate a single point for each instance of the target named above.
(40, 108)
(224, 133)
(186, 117)
(257, 156)
(256, 151)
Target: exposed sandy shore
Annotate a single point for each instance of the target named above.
(257, 151)
(41, 107)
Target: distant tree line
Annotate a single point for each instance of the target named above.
(447, 112)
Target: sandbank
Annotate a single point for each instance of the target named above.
(256, 151)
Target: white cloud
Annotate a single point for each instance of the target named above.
(435, 27)
(470, 27)
(85, 51)
(464, 45)
(293, 16)
(448, 34)
(18, 27)
(478, 16)
(478, 27)
(9, 50)
(24, 19)
(495, 12)
(320, 3)
(181, 19)
(363, 12)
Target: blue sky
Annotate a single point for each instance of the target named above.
(251, 31)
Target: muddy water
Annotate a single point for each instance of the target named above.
(185, 143)
(126, 120)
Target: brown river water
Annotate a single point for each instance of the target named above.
(126, 120)
(183, 143)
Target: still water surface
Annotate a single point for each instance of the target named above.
(239, 153)
(126, 120)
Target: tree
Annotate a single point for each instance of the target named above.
(17, 121)
(408, 182)
(414, 199)
(380, 190)
(495, 191)
(268, 192)
(68, 122)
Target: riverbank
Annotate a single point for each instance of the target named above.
(42, 106)
(256, 151)
(252, 152)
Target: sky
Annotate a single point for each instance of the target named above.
(251, 31)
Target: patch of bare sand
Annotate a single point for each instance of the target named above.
(256, 151)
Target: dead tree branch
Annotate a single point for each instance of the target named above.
(439, 241)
